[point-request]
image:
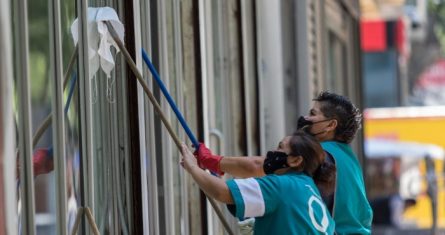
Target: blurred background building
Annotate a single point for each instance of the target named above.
(402, 44)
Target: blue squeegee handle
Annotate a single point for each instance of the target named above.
(67, 105)
(169, 99)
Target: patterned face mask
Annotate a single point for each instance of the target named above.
(275, 160)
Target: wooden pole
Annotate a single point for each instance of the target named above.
(159, 111)
(45, 124)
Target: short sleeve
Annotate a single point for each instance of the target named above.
(253, 197)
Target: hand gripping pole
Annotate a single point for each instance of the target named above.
(158, 110)
(171, 101)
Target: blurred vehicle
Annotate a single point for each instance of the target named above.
(397, 184)
(404, 158)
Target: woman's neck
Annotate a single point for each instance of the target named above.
(283, 171)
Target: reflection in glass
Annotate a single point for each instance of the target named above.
(72, 115)
(109, 159)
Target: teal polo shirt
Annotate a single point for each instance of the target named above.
(352, 212)
(281, 204)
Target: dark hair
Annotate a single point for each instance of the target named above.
(314, 164)
(324, 177)
(347, 115)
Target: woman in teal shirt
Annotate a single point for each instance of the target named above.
(285, 201)
(334, 121)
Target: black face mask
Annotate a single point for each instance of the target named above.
(274, 160)
(304, 124)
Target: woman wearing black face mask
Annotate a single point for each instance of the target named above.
(333, 120)
(286, 201)
(306, 125)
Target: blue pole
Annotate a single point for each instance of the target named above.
(169, 99)
(68, 102)
(71, 91)
(67, 105)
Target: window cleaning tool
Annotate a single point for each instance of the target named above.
(45, 124)
(158, 110)
(38, 161)
(68, 102)
(90, 218)
(164, 90)
(169, 99)
(47, 121)
(67, 106)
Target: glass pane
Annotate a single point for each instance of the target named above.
(72, 115)
(41, 86)
(174, 78)
(220, 62)
(110, 174)
(41, 95)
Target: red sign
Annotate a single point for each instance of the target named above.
(373, 35)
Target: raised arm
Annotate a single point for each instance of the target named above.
(213, 186)
(243, 167)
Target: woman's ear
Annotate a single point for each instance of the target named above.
(332, 124)
(294, 161)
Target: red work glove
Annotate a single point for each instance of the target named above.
(207, 160)
(42, 161)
